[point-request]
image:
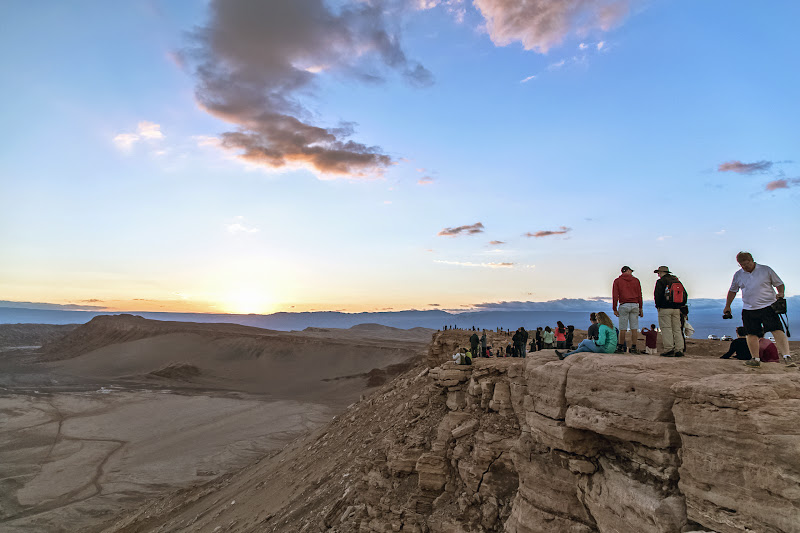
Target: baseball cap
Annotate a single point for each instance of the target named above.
(662, 268)
(626, 267)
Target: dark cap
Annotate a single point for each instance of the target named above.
(625, 268)
(662, 268)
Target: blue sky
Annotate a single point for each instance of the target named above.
(638, 133)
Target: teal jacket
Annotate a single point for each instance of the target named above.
(607, 338)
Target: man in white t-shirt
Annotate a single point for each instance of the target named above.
(758, 295)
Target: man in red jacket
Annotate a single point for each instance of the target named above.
(627, 292)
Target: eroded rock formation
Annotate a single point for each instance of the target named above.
(595, 443)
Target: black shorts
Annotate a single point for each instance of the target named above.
(753, 320)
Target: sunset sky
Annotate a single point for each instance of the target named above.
(259, 156)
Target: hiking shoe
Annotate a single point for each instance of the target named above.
(620, 349)
(678, 354)
(560, 355)
(788, 360)
(635, 350)
(752, 363)
(670, 353)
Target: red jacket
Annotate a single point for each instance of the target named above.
(626, 290)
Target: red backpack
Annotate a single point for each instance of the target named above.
(675, 293)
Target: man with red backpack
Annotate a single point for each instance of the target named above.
(670, 295)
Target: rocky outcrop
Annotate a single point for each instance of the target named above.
(594, 443)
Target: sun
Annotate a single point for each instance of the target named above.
(247, 301)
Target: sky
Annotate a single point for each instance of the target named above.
(250, 156)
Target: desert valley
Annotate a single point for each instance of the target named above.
(126, 424)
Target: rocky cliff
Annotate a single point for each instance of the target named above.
(595, 443)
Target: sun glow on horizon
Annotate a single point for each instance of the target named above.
(247, 301)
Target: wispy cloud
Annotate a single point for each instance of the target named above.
(529, 78)
(477, 265)
(720, 232)
(148, 131)
(784, 183)
(425, 180)
(546, 233)
(254, 61)
(462, 230)
(239, 227)
(542, 24)
(664, 237)
(557, 65)
(745, 168)
(496, 243)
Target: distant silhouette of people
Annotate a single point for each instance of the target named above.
(739, 346)
(539, 341)
(483, 343)
(570, 336)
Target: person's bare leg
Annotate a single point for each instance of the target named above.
(752, 345)
(781, 341)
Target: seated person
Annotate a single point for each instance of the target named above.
(464, 357)
(767, 351)
(739, 346)
(606, 339)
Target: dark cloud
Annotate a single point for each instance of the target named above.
(744, 168)
(542, 24)
(784, 183)
(496, 243)
(91, 301)
(462, 230)
(256, 60)
(434, 305)
(547, 233)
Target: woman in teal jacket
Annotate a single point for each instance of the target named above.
(606, 339)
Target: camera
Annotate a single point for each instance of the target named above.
(727, 316)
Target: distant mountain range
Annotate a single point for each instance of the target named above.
(705, 316)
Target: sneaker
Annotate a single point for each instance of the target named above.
(635, 350)
(752, 363)
(560, 355)
(788, 360)
(620, 349)
(678, 354)
(670, 353)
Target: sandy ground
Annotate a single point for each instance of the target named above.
(85, 438)
(66, 457)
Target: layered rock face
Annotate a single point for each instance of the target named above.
(594, 443)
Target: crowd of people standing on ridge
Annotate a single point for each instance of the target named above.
(763, 303)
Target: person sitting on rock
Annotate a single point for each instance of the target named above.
(606, 339)
(739, 346)
(767, 351)
(592, 332)
(650, 339)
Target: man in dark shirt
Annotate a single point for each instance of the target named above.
(739, 346)
(594, 329)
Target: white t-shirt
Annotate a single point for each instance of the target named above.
(757, 286)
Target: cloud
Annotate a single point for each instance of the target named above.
(664, 237)
(495, 243)
(600, 45)
(583, 46)
(425, 180)
(547, 233)
(529, 78)
(434, 305)
(541, 24)
(782, 184)
(255, 61)
(557, 65)
(238, 228)
(720, 232)
(480, 265)
(744, 168)
(148, 131)
(461, 230)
